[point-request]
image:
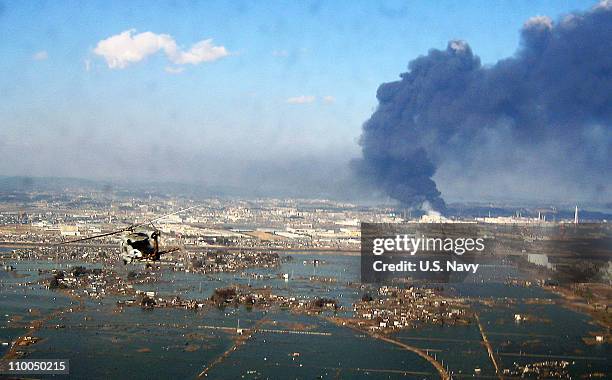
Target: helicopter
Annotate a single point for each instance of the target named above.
(138, 242)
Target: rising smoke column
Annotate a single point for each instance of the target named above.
(551, 101)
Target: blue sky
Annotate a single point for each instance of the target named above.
(69, 114)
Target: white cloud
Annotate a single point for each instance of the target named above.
(329, 99)
(41, 55)
(126, 48)
(203, 51)
(302, 99)
(174, 70)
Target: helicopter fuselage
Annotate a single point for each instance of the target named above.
(140, 246)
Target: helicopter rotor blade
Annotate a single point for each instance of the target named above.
(172, 213)
(128, 228)
(95, 237)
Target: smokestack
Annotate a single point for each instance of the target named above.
(576, 215)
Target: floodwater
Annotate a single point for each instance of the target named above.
(104, 341)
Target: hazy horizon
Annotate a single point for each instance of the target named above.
(243, 96)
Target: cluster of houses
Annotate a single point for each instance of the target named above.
(397, 308)
(230, 261)
(263, 298)
(94, 283)
(549, 369)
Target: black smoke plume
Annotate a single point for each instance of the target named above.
(547, 107)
